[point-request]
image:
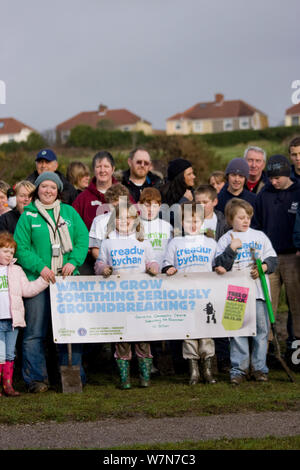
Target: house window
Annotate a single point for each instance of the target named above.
(198, 126)
(295, 120)
(244, 123)
(1, 125)
(177, 125)
(228, 124)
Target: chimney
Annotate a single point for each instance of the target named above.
(219, 99)
(102, 109)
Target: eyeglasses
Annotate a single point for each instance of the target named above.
(142, 162)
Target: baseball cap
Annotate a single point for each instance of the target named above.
(46, 154)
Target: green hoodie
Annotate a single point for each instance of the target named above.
(34, 249)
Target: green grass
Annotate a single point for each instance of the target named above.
(168, 396)
(235, 151)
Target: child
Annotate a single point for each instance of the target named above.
(13, 286)
(192, 219)
(157, 230)
(234, 253)
(125, 235)
(215, 221)
(99, 225)
(217, 179)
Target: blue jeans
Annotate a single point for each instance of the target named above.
(37, 317)
(8, 339)
(239, 346)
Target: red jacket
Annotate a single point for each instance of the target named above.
(87, 202)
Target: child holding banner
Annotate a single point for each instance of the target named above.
(157, 230)
(13, 286)
(234, 252)
(126, 251)
(193, 251)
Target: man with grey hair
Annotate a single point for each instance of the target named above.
(256, 159)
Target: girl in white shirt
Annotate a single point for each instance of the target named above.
(193, 252)
(125, 251)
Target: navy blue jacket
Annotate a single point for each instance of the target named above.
(224, 196)
(275, 212)
(296, 235)
(294, 175)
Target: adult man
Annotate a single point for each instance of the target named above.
(294, 151)
(256, 159)
(276, 208)
(237, 174)
(46, 160)
(139, 175)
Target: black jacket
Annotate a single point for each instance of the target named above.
(8, 221)
(275, 212)
(152, 180)
(69, 193)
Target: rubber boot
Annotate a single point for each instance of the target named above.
(194, 371)
(206, 366)
(145, 366)
(7, 377)
(123, 366)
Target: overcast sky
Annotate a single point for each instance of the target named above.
(153, 57)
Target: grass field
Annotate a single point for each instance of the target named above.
(168, 396)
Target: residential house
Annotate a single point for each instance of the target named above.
(216, 116)
(12, 130)
(292, 116)
(121, 119)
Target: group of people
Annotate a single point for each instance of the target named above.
(52, 225)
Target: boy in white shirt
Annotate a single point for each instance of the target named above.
(193, 252)
(234, 252)
(215, 222)
(157, 231)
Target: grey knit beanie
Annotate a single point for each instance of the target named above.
(49, 175)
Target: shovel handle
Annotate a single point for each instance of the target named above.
(265, 289)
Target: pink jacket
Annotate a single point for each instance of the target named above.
(19, 286)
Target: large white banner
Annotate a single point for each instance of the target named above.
(91, 309)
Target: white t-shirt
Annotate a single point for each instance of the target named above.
(191, 253)
(210, 224)
(158, 232)
(4, 295)
(98, 230)
(250, 239)
(125, 254)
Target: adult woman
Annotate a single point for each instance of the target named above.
(52, 239)
(180, 181)
(87, 203)
(4, 187)
(23, 190)
(93, 196)
(78, 174)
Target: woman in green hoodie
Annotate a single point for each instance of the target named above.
(52, 240)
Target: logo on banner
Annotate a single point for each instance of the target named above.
(235, 307)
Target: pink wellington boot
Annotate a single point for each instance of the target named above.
(7, 376)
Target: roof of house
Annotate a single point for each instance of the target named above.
(293, 109)
(12, 126)
(120, 117)
(217, 110)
